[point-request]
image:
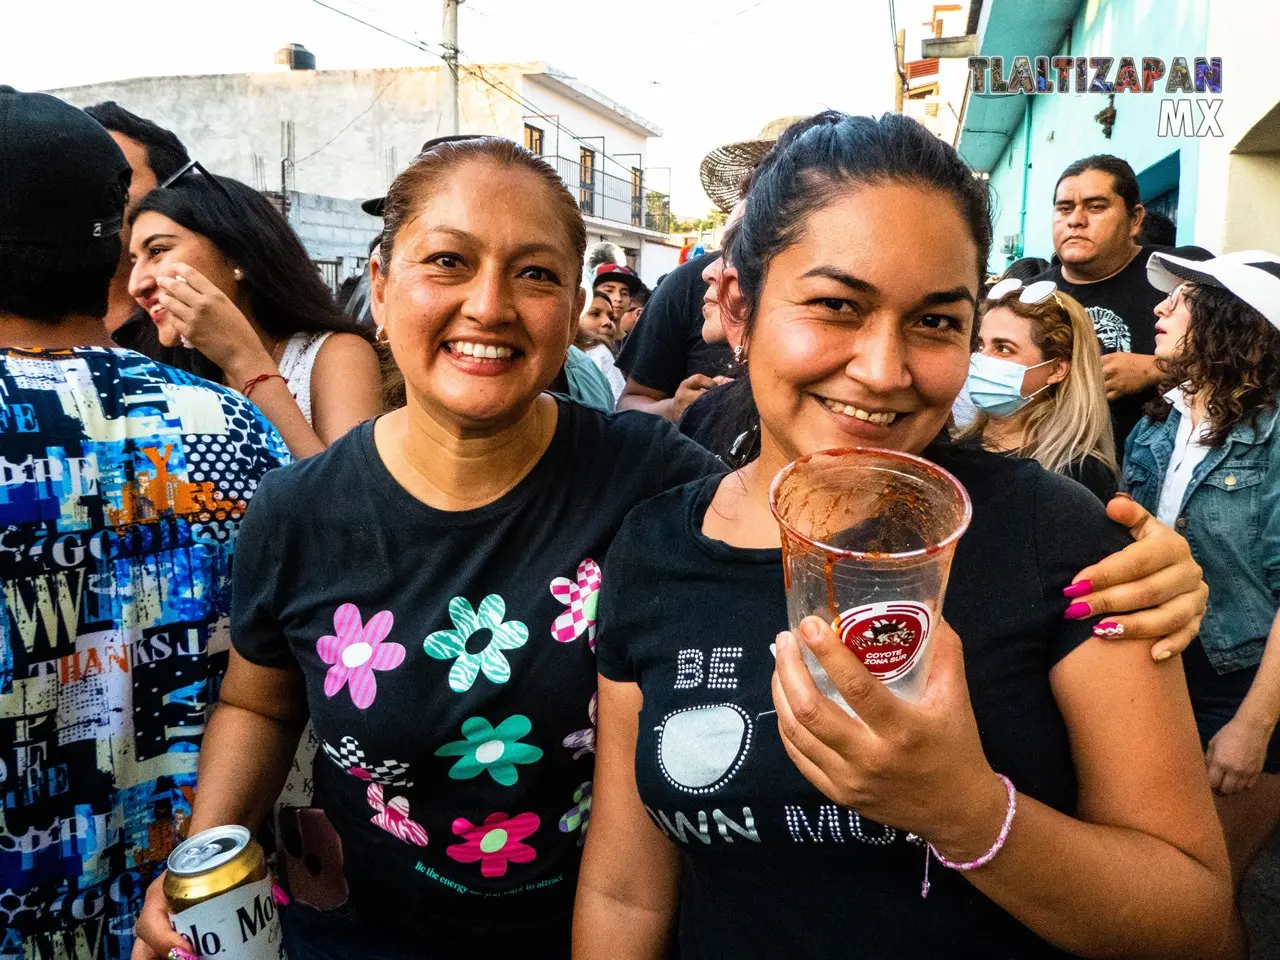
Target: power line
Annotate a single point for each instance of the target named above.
(385, 87)
(478, 73)
(893, 32)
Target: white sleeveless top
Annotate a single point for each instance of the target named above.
(296, 365)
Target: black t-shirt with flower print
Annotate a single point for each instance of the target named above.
(450, 668)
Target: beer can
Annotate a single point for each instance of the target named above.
(219, 895)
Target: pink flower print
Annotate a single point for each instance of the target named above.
(357, 651)
(393, 817)
(583, 741)
(582, 599)
(495, 843)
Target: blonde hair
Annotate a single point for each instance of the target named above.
(1073, 420)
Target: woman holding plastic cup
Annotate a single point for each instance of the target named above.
(1017, 793)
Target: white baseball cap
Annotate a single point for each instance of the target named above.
(1252, 275)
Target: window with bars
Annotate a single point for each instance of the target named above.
(637, 196)
(587, 180)
(533, 139)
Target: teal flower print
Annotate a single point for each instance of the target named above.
(494, 750)
(447, 644)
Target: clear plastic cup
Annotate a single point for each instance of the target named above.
(867, 541)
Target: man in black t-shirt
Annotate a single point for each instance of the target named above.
(1096, 222)
(667, 363)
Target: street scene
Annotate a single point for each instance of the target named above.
(749, 479)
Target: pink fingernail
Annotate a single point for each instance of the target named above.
(177, 953)
(1081, 588)
(278, 895)
(1077, 611)
(1108, 628)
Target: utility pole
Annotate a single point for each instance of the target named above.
(899, 80)
(450, 45)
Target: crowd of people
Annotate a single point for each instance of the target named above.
(503, 559)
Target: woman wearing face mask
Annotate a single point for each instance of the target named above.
(803, 833)
(1036, 378)
(1207, 459)
(235, 298)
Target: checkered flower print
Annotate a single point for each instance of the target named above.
(582, 598)
(350, 756)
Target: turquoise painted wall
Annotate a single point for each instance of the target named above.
(1063, 128)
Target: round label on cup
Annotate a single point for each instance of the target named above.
(887, 637)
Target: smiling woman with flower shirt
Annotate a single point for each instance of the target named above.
(439, 627)
(426, 591)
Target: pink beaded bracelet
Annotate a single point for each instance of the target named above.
(987, 857)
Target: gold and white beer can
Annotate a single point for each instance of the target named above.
(219, 894)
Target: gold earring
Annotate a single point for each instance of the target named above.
(380, 334)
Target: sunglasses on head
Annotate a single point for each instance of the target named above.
(1034, 293)
(197, 166)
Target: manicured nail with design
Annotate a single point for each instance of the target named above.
(1077, 611)
(1164, 655)
(1081, 588)
(177, 953)
(1108, 628)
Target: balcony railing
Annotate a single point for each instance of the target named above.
(618, 199)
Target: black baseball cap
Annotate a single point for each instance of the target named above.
(619, 272)
(373, 206)
(63, 180)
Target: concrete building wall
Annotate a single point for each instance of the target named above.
(353, 129)
(333, 229)
(657, 259)
(1238, 195)
(574, 118)
(1062, 128)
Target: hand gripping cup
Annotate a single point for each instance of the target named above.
(867, 541)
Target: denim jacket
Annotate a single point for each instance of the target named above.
(1230, 515)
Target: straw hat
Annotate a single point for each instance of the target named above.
(725, 168)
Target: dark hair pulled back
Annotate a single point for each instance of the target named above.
(812, 160)
(415, 182)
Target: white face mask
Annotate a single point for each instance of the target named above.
(995, 385)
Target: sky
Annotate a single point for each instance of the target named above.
(707, 73)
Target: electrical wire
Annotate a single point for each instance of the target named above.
(893, 33)
(475, 71)
(385, 87)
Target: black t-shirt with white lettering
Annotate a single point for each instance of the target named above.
(666, 347)
(449, 669)
(1122, 309)
(771, 867)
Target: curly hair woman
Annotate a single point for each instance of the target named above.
(1207, 459)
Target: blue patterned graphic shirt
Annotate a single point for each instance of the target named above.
(122, 484)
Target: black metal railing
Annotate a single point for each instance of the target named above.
(618, 199)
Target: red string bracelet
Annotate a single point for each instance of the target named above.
(249, 385)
